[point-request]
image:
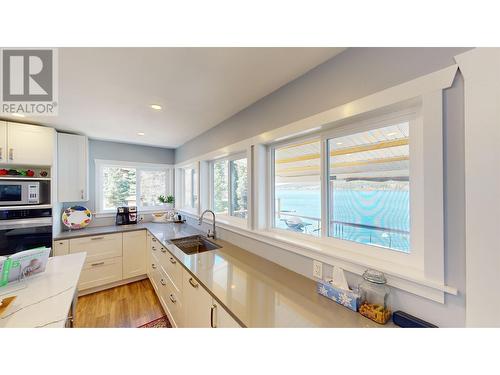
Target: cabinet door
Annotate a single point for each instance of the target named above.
(60, 247)
(72, 166)
(30, 144)
(197, 303)
(220, 318)
(3, 142)
(134, 254)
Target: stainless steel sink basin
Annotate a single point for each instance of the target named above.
(194, 244)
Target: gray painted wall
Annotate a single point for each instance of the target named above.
(353, 74)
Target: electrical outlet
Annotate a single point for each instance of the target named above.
(317, 269)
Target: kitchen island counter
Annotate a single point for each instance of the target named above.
(45, 299)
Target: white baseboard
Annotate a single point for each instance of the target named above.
(111, 285)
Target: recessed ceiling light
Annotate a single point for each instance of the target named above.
(339, 143)
(156, 106)
(18, 115)
(140, 133)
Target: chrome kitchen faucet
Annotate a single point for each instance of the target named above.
(210, 234)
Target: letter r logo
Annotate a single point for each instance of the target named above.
(27, 75)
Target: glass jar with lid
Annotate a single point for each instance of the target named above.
(374, 297)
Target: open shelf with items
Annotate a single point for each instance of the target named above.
(24, 178)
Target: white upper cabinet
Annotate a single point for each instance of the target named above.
(29, 144)
(73, 165)
(3, 142)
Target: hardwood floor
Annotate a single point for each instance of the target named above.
(130, 305)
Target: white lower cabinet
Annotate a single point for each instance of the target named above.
(197, 303)
(100, 272)
(110, 257)
(60, 247)
(98, 247)
(134, 254)
(221, 318)
(186, 302)
(171, 300)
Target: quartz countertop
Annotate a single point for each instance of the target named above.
(256, 292)
(165, 230)
(46, 298)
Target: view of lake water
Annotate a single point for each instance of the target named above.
(379, 217)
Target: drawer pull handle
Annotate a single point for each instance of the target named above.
(172, 260)
(163, 282)
(153, 248)
(212, 309)
(172, 298)
(153, 266)
(96, 238)
(97, 264)
(163, 250)
(154, 239)
(192, 282)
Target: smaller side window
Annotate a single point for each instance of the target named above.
(297, 187)
(229, 188)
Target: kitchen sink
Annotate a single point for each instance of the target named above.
(194, 244)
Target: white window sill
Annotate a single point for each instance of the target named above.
(400, 277)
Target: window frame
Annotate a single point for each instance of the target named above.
(272, 186)
(180, 172)
(100, 164)
(211, 190)
(413, 259)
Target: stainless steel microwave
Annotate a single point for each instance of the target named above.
(17, 193)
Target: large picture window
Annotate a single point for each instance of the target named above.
(130, 184)
(369, 187)
(230, 187)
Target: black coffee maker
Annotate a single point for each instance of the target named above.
(126, 215)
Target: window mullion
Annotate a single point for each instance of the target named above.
(325, 185)
(138, 202)
(229, 189)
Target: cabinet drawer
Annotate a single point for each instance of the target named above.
(98, 247)
(171, 267)
(171, 300)
(100, 273)
(60, 247)
(153, 271)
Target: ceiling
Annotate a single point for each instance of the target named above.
(105, 93)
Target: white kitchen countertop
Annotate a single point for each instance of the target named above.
(47, 298)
